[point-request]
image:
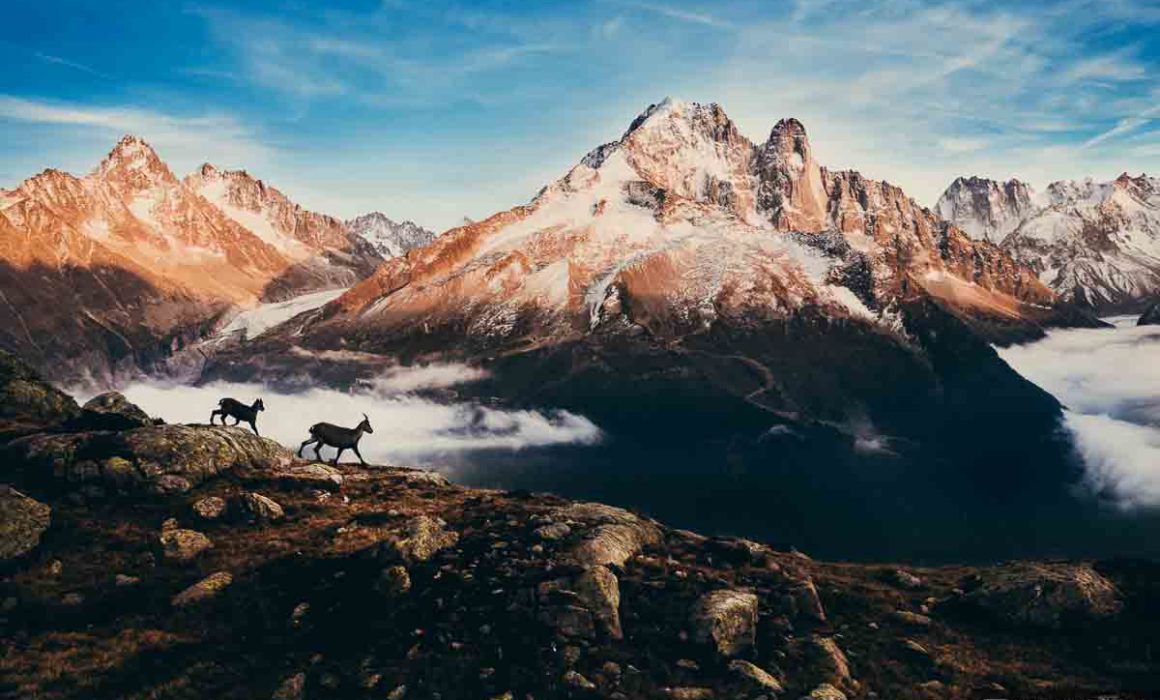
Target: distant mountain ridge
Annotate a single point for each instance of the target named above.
(112, 272)
(1094, 243)
(389, 237)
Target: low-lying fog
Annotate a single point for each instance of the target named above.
(1109, 379)
(408, 428)
(869, 503)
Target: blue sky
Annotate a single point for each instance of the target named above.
(433, 110)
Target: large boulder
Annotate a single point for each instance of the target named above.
(421, 538)
(255, 508)
(22, 521)
(163, 459)
(183, 545)
(207, 588)
(614, 535)
(726, 619)
(27, 400)
(1151, 315)
(112, 411)
(1045, 595)
(599, 590)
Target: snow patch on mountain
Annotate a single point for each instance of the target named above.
(252, 323)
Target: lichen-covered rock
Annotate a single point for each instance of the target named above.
(553, 531)
(756, 678)
(599, 590)
(204, 589)
(825, 691)
(395, 581)
(803, 602)
(614, 535)
(727, 619)
(422, 537)
(163, 459)
(902, 578)
(255, 508)
(209, 508)
(1046, 595)
(314, 476)
(25, 398)
(827, 661)
(22, 521)
(183, 545)
(112, 411)
(911, 619)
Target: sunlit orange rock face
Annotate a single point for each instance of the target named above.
(107, 271)
(681, 223)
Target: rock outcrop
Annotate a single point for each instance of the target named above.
(164, 459)
(27, 402)
(112, 411)
(727, 620)
(1046, 595)
(22, 521)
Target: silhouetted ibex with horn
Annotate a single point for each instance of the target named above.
(239, 412)
(338, 437)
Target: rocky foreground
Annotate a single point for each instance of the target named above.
(144, 560)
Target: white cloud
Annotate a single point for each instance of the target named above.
(1110, 382)
(184, 140)
(408, 429)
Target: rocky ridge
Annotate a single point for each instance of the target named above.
(389, 237)
(393, 582)
(1094, 243)
(111, 273)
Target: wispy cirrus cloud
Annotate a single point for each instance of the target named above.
(1126, 126)
(61, 61)
(186, 140)
(683, 14)
(367, 61)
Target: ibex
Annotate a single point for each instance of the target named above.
(239, 412)
(334, 436)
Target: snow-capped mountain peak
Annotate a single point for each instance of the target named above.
(1092, 242)
(389, 237)
(985, 209)
(134, 163)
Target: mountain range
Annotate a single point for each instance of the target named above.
(1093, 243)
(109, 274)
(763, 312)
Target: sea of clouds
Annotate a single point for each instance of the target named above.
(409, 428)
(1109, 380)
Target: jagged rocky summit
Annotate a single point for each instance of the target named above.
(1094, 243)
(113, 273)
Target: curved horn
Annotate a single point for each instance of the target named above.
(365, 418)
